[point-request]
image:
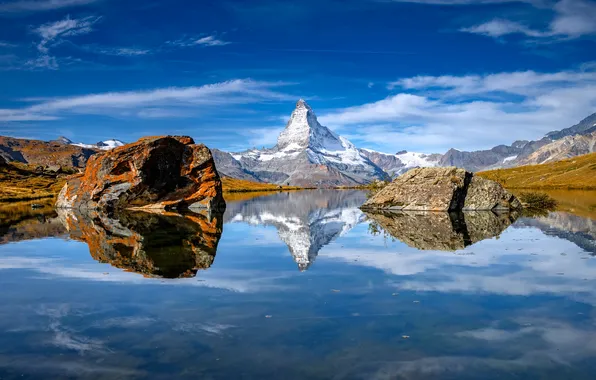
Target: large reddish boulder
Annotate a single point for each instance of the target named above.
(164, 172)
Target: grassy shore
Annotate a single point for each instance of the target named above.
(577, 173)
(20, 182)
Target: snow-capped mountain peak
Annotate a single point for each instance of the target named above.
(103, 145)
(303, 130)
(307, 153)
(110, 144)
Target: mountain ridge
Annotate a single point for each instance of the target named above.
(309, 154)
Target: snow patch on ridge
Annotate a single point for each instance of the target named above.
(413, 159)
(103, 145)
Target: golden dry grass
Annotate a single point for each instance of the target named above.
(574, 173)
(233, 185)
(19, 182)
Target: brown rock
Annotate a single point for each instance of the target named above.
(165, 245)
(441, 189)
(165, 172)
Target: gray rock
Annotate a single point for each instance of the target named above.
(442, 189)
(423, 189)
(53, 169)
(484, 194)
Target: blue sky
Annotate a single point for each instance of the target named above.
(421, 75)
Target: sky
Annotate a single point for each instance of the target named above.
(419, 75)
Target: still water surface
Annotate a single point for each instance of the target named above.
(297, 286)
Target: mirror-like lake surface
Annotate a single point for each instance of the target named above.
(297, 286)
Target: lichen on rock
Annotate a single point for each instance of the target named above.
(164, 172)
(442, 189)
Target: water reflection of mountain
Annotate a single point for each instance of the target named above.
(440, 230)
(306, 220)
(576, 229)
(165, 245)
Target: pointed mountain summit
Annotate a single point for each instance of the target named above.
(303, 131)
(306, 154)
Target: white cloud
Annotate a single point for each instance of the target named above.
(211, 41)
(40, 5)
(262, 137)
(123, 52)
(54, 33)
(151, 103)
(6, 44)
(68, 27)
(435, 113)
(201, 41)
(572, 19)
(499, 28)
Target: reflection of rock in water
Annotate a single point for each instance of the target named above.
(306, 220)
(440, 230)
(166, 245)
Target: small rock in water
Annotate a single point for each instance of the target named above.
(405, 336)
(335, 290)
(268, 316)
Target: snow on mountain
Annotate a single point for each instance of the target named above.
(110, 144)
(103, 145)
(307, 153)
(397, 164)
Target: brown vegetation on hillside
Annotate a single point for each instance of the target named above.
(44, 153)
(574, 173)
(20, 182)
(234, 185)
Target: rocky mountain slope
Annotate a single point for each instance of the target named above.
(43, 153)
(566, 147)
(554, 146)
(309, 154)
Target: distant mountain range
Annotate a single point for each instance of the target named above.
(60, 152)
(309, 154)
(103, 145)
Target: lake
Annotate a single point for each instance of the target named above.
(299, 285)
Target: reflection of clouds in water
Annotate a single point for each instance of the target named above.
(211, 328)
(43, 365)
(66, 338)
(67, 267)
(545, 344)
(520, 262)
(124, 322)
